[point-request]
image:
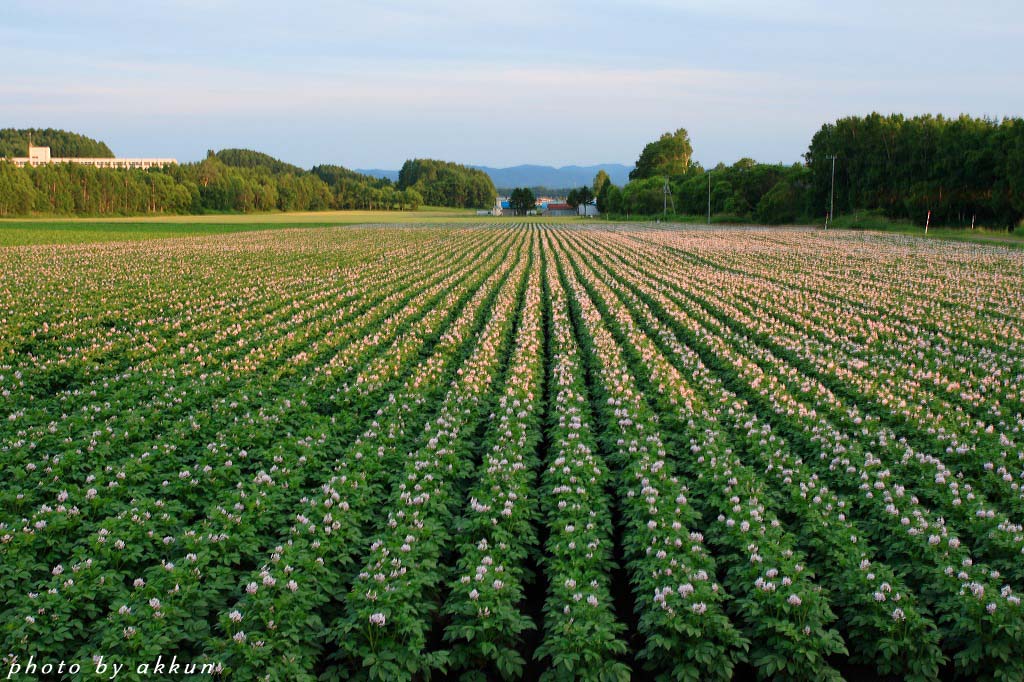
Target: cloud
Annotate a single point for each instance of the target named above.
(553, 82)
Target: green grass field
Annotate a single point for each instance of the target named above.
(39, 231)
(21, 232)
(872, 221)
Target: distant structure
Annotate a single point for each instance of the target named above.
(559, 209)
(496, 210)
(40, 156)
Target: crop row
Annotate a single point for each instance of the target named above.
(587, 452)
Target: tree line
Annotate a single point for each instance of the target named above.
(228, 181)
(443, 183)
(210, 186)
(962, 170)
(62, 144)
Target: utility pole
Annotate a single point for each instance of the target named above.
(832, 195)
(709, 197)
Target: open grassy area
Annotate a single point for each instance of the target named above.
(873, 221)
(58, 230)
(19, 232)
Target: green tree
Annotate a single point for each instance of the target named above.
(668, 156)
(521, 200)
(612, 201)
(413, 199)
(14, 142)
(601, 180)
(958, 168)
(579, 197)
(247, 158)
(644, 197)
(604, 196)
(17, 194)
(442, 183)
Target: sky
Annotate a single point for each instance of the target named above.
(370, 84)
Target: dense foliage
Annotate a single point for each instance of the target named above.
(963, 170)
(247, 158)
(669, 155)
(442, 183)
(64, 144)
(579, 196)
(960, 169)
(522, 200)
(234, 180)
(514, 453)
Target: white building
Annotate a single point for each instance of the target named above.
(39, 156)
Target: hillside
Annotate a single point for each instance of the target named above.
(443, 183)
(14, 142)
(248, 158)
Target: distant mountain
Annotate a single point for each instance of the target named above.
(534, 176)
(391, 175)
(548, 176)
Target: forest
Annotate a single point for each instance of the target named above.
(959, 171)
(228, 181)
(231, 181)
(62, 144)
(962, 170)
(442, 183)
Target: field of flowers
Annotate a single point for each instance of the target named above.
(515, 452)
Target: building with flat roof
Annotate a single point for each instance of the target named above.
(40, 156)
(559, 209)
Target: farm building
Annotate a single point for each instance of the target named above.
(559, 210)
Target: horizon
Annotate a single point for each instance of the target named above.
(370, 85)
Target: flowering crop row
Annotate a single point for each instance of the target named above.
(785, 615)
(579, 641)
(959, 585)
(497, 525)
(680, 602)
(838, 549)
(390, 608)
(516, 452)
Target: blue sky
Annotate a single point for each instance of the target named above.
(369, 84)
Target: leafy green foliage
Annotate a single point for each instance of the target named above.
(669, 156)
(14, 142)
(961, 169)
(247, 158)
(579, 197)
(229, 181)
(521, 200)
(442, 183)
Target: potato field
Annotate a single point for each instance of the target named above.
(514, 452)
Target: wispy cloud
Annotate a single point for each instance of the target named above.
(542, 81)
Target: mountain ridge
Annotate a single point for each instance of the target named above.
(534, 175)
